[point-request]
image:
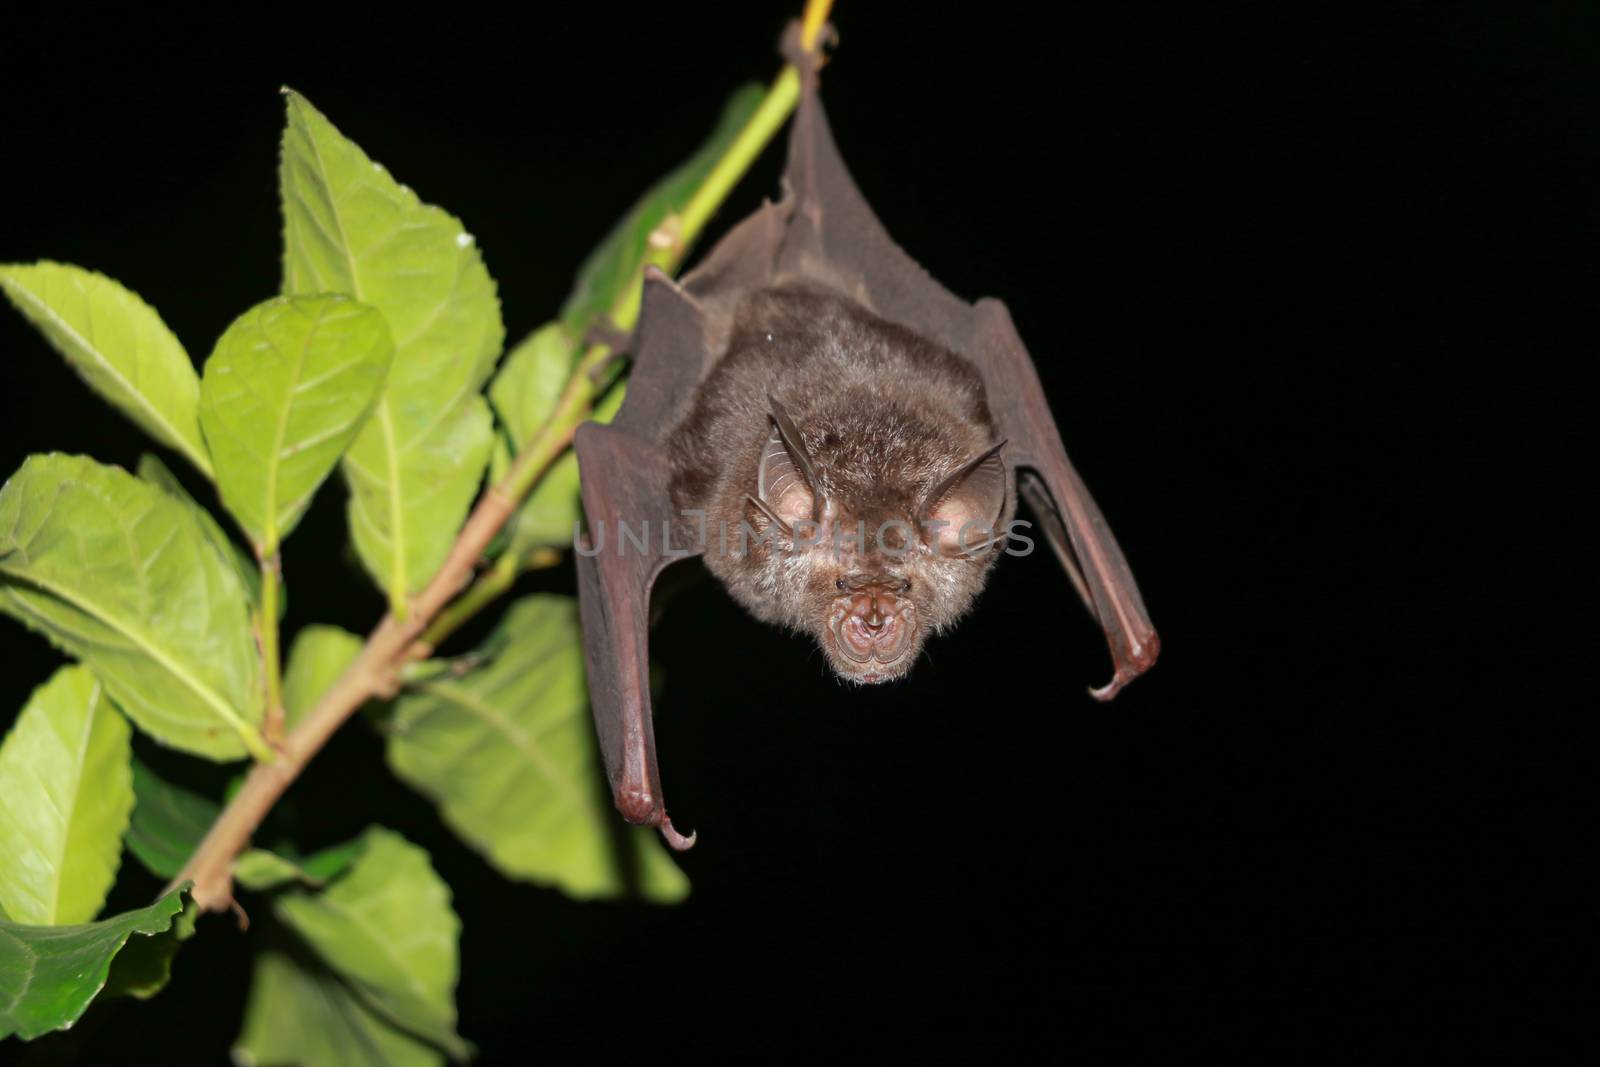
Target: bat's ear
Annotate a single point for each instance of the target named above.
(960, 514)
(786, 483)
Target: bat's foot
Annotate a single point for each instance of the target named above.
(605, 332)
(806, 60)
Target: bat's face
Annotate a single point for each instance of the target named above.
(870, 560)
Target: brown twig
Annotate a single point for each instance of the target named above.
(374, 673)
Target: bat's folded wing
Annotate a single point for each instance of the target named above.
(625, 477)
(627, 545)
(1088, 549)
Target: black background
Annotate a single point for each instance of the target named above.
(1311, 296)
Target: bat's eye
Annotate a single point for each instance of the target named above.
(839, 585)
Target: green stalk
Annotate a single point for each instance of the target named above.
(762, 126)
(489, 587)
(271, 576)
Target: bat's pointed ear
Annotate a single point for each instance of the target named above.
(960, 514)
(786, 483)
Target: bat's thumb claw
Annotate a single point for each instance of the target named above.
(1112, 688)
(1141, 658)
(678, 842)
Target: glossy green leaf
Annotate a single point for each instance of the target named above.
(118, 344)
(509, 754)
(351, 228)
(289, 385)
(385, 926)
(300, 1014)
(318, 657)
(65, 795)
(49, 974)
(168, 822)
(524, 394)
(121, 575)
(614, 265)
(152, 470)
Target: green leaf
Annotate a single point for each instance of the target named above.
(289, 385)
(258, 869)
(524, 394)
(118, 344)
(301, 1015)
(65, 794)
(509, 754)
(121, 575)
(49, 974)
(386, 928)
(261, 870)
(416, 466)
(152, 470)
(168, 822)
(318, 657)
(144, 966)
(329, 863)
(530, 381)
(614, 265)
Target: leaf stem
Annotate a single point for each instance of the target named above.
(405, 635)
(769, 117)
(271, 662)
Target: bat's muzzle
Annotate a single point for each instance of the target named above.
(873, 629)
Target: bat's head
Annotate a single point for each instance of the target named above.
(875, 552)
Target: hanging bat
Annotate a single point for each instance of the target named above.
(842, 439)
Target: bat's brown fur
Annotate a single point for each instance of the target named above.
(885, 415)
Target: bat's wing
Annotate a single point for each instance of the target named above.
(832, 235)
(1101, 571)
(624, 477)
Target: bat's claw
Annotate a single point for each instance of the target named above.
(639, 806)
(793, 48)
(1139, 660)
(1106, 692)
(678, 842)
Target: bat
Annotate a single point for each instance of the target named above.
(843, 441)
